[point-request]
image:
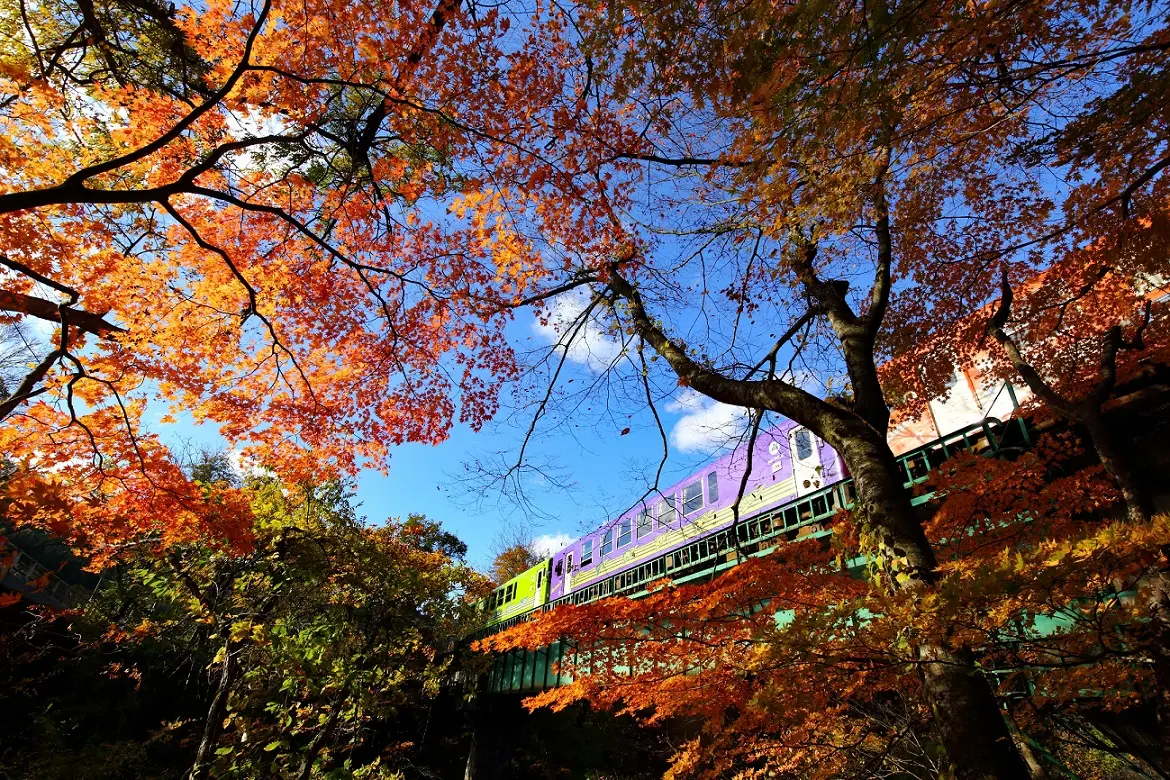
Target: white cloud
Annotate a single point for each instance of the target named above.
(706, 424)
(591, 345)
(245, 466)
(547, 544)
(253, 123)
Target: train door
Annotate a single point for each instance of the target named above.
(806, 460)
(538, 598)
(568, 573)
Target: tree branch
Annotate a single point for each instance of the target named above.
(772, 394)
(996, 327)
(880, 294)
(47, 310)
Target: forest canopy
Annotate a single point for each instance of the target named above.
(314, 227)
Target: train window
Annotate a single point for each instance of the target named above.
(667, 511)
(804, 447)
(607, 543)
(539, 579)
(712, 488)
(643, 522)
(624, 533)
(586, 553)
(692, 498)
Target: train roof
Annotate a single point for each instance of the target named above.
(725, 465)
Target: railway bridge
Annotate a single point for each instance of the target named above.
(807, 516)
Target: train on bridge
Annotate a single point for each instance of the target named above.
(794, 484)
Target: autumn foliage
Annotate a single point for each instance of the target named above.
(244, 208)
(311, 225)
(797, 666)
(321, 648)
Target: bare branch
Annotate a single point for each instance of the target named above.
(775, 395)
(21, 268)
(996, 327)
(780, 342)
(880, 294)
(28, 388)
(757, 418)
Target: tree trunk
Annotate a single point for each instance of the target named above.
(1139, 508)
(1139, 504)
(977, 739)
(978, 742)
(1023, 744)
(322, 736)
(469, 768)
(211, 727)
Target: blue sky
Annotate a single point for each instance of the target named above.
(596, 471)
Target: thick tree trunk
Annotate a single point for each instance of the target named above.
(977, 739)
(1139, 504)
(978, 742)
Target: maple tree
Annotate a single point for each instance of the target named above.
(1087, 351)
(239, 210)
(829, 185)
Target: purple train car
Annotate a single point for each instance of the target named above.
(788, 462)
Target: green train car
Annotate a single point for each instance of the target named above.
(524, 592)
